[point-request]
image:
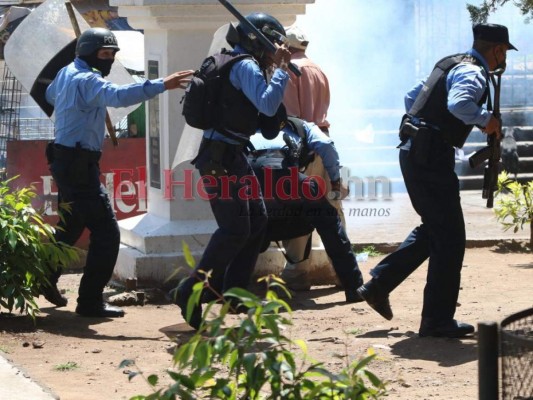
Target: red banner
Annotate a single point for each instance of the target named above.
(123, 173)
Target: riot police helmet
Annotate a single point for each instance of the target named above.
(265, 23)
(94, 39)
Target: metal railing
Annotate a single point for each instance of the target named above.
(508, 347)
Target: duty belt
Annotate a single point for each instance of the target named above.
(69, 153)
(408, 129)
(207, 142)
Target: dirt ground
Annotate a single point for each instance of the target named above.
(496, 283)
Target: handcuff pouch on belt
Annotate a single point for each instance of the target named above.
(214, 165)
(422, 139)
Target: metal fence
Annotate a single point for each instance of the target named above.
(516, 339)
(509, 348)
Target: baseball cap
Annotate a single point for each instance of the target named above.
(297, 38)
(493, 33)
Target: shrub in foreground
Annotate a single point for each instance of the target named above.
(28, 251)
(251, 357)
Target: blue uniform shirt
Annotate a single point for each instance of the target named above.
(80, 96)
(246, 75)
(317, 142)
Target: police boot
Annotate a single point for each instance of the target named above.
(99, 310)
(350, 289)
(447, 328)
(183, 293)
(51, 293)
(378, 301)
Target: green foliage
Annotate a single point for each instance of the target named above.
(372, 251)
(514, 205)
(27, 250)
(254, 358)
(68, 366)
(481, 13)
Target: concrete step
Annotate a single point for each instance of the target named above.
(524, 149)
(475, 182)
(525, 166)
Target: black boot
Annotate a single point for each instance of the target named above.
(183, 293)
(350, 290)
(379, 302)
(51, 293)
(447, 328)
(99, 310)
(352, 296)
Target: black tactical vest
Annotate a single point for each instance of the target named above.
(431, 103)
(237, 113)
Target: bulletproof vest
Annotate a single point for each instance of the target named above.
(431, 104)
(237, 113)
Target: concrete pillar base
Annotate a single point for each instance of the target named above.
(152, 252)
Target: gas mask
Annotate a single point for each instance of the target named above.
(104, 66)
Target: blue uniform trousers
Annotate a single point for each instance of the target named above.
(313, 208)
(434, 193)
(77, 176)
(232, 251)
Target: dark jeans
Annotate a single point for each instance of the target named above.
(234, 247)
(318, 212)
(88, 206)
(434, 193)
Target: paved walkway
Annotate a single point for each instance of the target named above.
(386, 223)
(382, 223)
(17, 385)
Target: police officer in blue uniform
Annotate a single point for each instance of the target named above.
(441, 112)
(80, 95)
(305, 206)
(233, 249)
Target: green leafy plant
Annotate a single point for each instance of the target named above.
(355, 331)
(68, 366)
(372, 251)
(28, 252)
(514, 204)
(253, 357)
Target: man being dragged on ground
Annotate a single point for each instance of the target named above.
(296, 203)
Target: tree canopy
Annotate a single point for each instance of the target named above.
(481, 13)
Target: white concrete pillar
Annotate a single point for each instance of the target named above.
(178, 35)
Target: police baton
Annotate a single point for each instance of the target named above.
(262, 38)
(77, 32)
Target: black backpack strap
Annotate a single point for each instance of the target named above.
(250, 148)
(225, 60)
(298, 125)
